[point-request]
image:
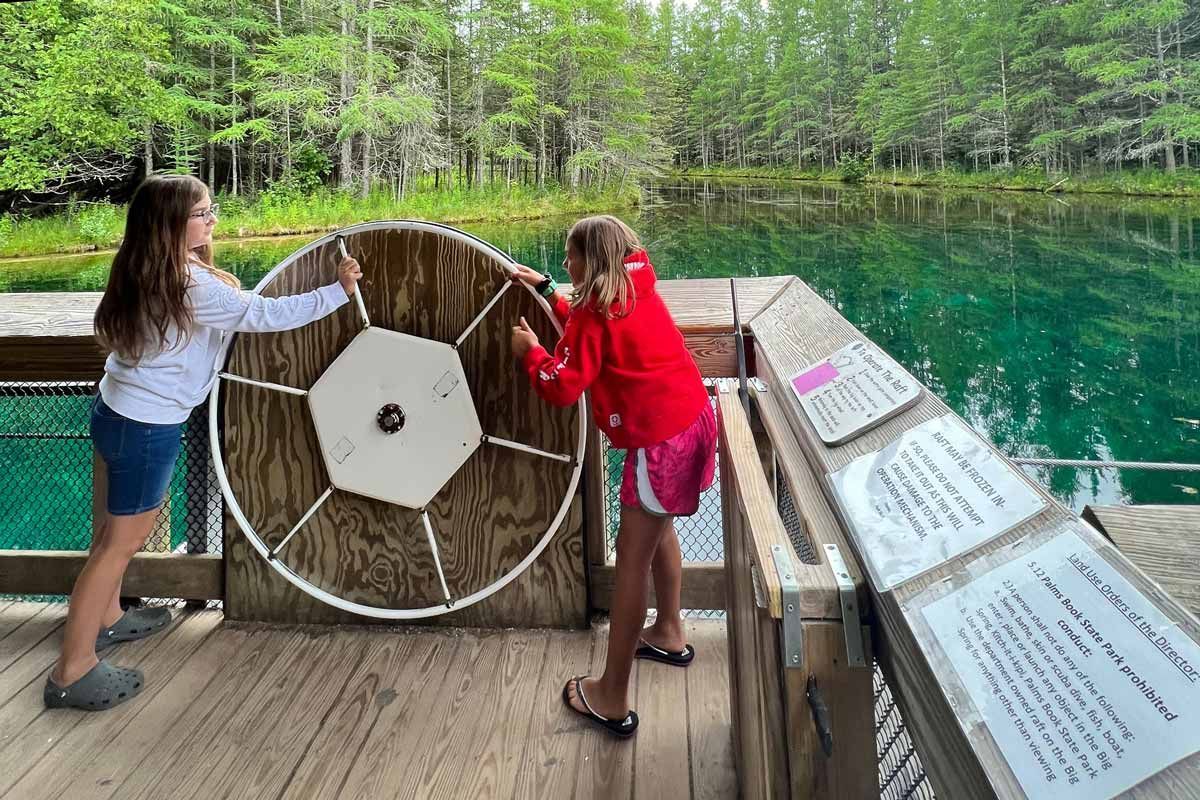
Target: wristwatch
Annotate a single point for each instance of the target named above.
(547, 287)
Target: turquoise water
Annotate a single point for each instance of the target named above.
(1060, 327)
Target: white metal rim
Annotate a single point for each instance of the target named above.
(299, 581)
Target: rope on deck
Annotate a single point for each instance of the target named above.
(1164, 466)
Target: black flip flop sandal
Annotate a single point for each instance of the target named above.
(652, 653)
(621, 728)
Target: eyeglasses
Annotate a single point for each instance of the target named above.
(210, 213)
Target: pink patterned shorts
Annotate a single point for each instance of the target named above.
(666, 479)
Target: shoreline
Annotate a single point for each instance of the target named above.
(1051, 189)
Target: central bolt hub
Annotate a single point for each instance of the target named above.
(390, 418)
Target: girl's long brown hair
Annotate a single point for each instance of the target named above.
(147, 286)
(604, 242)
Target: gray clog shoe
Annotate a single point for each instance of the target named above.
(136, 623)
(104, 686)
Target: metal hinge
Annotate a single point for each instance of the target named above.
(792, 650)
(851, 623)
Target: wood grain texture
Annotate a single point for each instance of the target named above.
(48, 335)
(14, 614)
(1163, 541)
(715, 354)
(28, 766)
(800, 328)
(818, 519)
(703, 586)
(604, 770)
(39, 629)
(710, 739)
(749, 747)
(661, 753)
(850, 772)
(486, 518)
(548, 767)
(235, 710)
(190, 577)
(268, 733)
(705, 305)
(742, 468)
(388, 667)
(502, 717)
(207, 718)
(399, 734)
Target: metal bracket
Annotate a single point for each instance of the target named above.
(758, 384)
(793, 626)
(849, 598)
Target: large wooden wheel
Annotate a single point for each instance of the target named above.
(390, 460)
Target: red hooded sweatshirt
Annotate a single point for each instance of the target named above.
(645, 386)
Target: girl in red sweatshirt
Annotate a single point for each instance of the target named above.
(619, 341)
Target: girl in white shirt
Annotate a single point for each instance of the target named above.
(162, 316)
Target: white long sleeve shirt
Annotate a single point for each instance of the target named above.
(165, 385)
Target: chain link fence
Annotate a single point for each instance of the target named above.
(46, 460)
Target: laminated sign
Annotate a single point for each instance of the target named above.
(852, 391)
(933, 494)
(1085, 686)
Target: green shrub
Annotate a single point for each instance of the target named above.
(99, 224)
(854, 169)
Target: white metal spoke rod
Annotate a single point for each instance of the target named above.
(275, 387)
(362, 308)
(524, 448)
(311, 510)
(479, 317)
(437, 560)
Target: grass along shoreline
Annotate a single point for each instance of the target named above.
(1139, 183)
(94, 228)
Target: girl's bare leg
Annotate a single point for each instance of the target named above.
(637, 541)
(667, 570)
(96, 590)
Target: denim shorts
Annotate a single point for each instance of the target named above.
(140, 457)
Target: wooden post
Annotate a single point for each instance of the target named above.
(778, 746)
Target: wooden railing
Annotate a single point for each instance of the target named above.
(959, 745)
(803, 721)
(48, 337)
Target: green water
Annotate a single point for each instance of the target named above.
(1064, 328)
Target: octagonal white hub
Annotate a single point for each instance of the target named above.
(369, 448)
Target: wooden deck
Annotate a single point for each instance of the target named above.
(256, 711)
(1164, 541)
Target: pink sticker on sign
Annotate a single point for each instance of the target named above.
(814, 378)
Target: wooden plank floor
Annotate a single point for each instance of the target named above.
(233, 711)
(1164, 541)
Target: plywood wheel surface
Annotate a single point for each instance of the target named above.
(391, 460)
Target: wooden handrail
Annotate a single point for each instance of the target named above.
(741, 467)
(48, 335)
(959, 749)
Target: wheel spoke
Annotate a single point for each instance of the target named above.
(311, 510)
(275, 387)
(437, 560)
(358, 298)
(524, 448)
(479, 317)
